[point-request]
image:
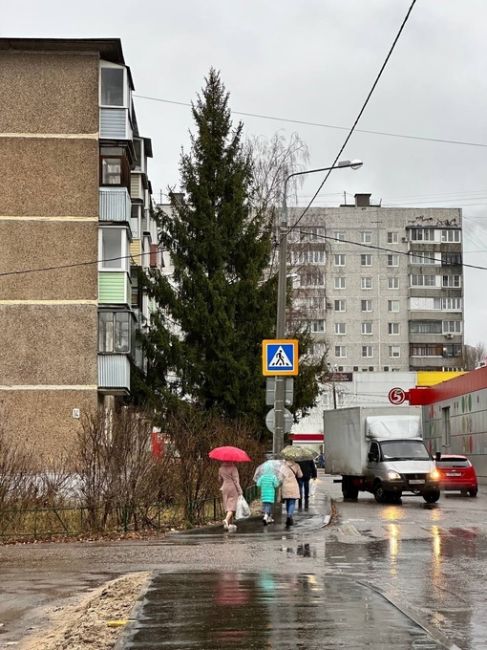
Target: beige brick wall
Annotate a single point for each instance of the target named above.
(32, 245)
(49, 177)
(48, 344)
(48, 93)
(42, 421)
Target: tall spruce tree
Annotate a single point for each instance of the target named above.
(205, 340)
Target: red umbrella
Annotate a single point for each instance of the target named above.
(229, 455)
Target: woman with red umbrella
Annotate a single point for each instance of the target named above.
(229, 478)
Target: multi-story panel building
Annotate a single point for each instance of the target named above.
(381, 289)
(75, 197)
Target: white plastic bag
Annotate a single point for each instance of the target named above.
(243, 509)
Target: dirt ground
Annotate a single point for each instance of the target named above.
(96, 621)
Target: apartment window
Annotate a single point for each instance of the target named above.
(418, 280)
(316, 302)
(366, 260)
(366, 237)
(340, 328)
(339, 235)
(452, 281)
(392, 237)
(366, 305)
(451, 304)
(393, 328)
(452, 350)
(339, 259)
(317, 326)
(394, 351)
(308, 233)
(367, 351)
(135, 222)
(114, 332)
(312, 279)
(428, 257)
(451, 259)
(422, 234)
(113, 253)
(426, 350)
(366, 327)
(393, 283)
(340, 351)
(452, 327)
(112, 86)
(451, 236)
(393, 260)
(340, 282)
(339, 305)
(393, 305)
(425, 327)
(111, 171)
(316, 256)
(366, 283)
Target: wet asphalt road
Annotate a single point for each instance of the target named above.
(412, 575)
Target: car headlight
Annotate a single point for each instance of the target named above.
(393, 476)
(435, 475)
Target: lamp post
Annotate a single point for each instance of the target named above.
(279, 395)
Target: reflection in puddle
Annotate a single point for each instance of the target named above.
(393, 530)
(392, 513)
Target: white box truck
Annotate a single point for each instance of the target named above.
(380, 450)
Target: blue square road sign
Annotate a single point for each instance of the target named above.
(279, 357)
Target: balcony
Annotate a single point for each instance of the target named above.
(115, 124)
(114, 372)
(115, 204)
(114, 288)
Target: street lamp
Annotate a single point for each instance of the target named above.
(279, 395)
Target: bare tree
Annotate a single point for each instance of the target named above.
(474, 355)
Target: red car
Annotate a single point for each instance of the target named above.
(457, 473)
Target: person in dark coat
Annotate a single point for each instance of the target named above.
(308, 468)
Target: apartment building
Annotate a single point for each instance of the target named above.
(75, 221)
(381, 289)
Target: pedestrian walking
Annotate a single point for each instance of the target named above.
(308, 469)
(231, 490)
(268, 484)
(291, 472)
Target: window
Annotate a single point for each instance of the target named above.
(452, 281)
(366, 283)
(452, 327)
(366, 305)
(340, 328)
(392, 237)
(422, 234)
(425, 327)
(428, 257)
(452, 350)
(111, 171)
(316, 302)
(113, 249)
(366, 327)
(451, 304)
(340, 351)
(451, 236)
(316, 256)
(393, 283)
(451, 259)
(393, 328)
(393, 305)
(312, 279)
(308, 256)
(423, 280)
(366, 237)
(112, 86)
(114, 332)
(317, 326)
(426, 350)
(308, 233)
(366, 260)
(393, 260)
(367, 351)
(394, 351)
(135, 222)
(339, 235)
(340, 282)
(339, 259)
(339, 305)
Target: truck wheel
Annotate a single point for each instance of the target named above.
(349, 490)
(431, 497)
(379, 493)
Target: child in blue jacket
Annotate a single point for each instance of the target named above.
(268, 484)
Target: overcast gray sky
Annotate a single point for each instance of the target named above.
(314, 60)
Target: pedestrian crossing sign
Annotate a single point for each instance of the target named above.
(279, 357)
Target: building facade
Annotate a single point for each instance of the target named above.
(381, 289)
(74, 221)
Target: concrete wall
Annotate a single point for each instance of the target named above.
(49, 165)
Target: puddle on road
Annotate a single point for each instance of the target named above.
(264, 610)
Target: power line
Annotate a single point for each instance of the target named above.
(290, 120)
(364, 106)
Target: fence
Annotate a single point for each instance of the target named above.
(73, 521)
